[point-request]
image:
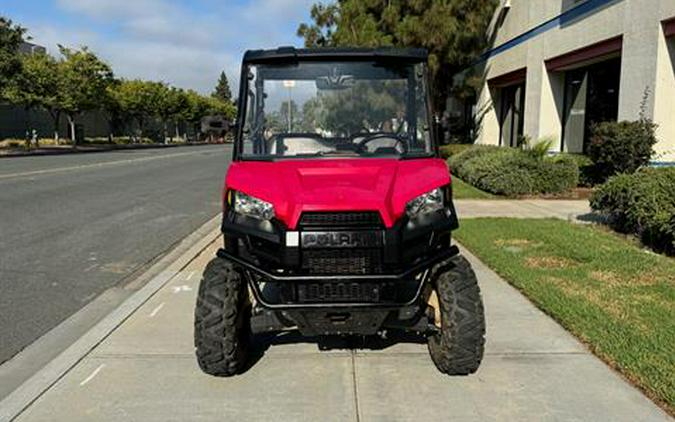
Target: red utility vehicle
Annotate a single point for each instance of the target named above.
(337, 212)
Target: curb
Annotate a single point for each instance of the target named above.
(21, 398)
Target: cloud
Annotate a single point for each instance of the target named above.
(185, 43)
(114, 9)
(50, 36)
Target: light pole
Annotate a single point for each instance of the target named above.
(289, 85)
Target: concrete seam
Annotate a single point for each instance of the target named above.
(356, 389)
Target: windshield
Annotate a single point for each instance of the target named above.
(316, 109)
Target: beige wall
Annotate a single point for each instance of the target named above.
(647, 61)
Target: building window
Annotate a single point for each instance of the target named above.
(512, 117)
(591, 96)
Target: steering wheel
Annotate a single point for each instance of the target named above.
(400, 140)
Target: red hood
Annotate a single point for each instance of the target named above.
(378, 184)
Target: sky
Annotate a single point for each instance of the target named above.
(186, 43)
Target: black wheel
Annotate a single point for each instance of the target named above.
(222, 320)
(457, 347)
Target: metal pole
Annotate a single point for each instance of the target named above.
(290, 112)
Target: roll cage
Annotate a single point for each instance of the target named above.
(290, 55)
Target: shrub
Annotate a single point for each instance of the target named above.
(643, 204)
(555, 175)
(587, 176)
(507, 171)
(621, 147)
(456, 161)
(540, 148)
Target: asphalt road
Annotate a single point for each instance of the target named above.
(73, 226)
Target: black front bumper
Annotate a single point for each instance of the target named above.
(368, 277)
(419, 268)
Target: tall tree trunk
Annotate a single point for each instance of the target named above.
(71, 125)
(177, 130)
(138, 133)
(131, 129)
(56, 116)
(141, 126)
(26, 126)
(440, 91)
(111, 129)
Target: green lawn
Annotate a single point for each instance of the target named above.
(617, 298)
(463, 190)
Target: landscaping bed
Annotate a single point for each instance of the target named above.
(514, 172)
(616, 297)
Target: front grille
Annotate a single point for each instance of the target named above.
(339, 292)
(342, 261)
(340, 219)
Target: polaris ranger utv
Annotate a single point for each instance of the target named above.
(337, 212)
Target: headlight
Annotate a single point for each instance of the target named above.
(425, 203)
(252, 207)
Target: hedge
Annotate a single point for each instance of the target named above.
(458, 160)
(507, 171)
(642, 203)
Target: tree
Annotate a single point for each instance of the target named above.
(38, 85)
(171, 102)
(84, 82)
(222, 91)
(454, 31)
(288, 120)
(225, 109)
(137, 100)
(320, 32)
(112, 108)
(198, 107)
(11, 37)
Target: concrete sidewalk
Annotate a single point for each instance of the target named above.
(572, 210)
(145, 370)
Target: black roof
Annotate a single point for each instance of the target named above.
(293, 54)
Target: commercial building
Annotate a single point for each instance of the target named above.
(558, 66)
(30, 48)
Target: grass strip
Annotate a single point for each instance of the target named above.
(463, 190)
(616, 297)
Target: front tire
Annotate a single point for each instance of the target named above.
(457, 348)
(222, 327)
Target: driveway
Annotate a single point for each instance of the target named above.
(144, 369)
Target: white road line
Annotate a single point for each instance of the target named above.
(157, 309)
(94, 165)
(190, 275)
(183, 288)
(92, 375)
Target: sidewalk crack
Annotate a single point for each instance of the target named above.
(356, 388)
